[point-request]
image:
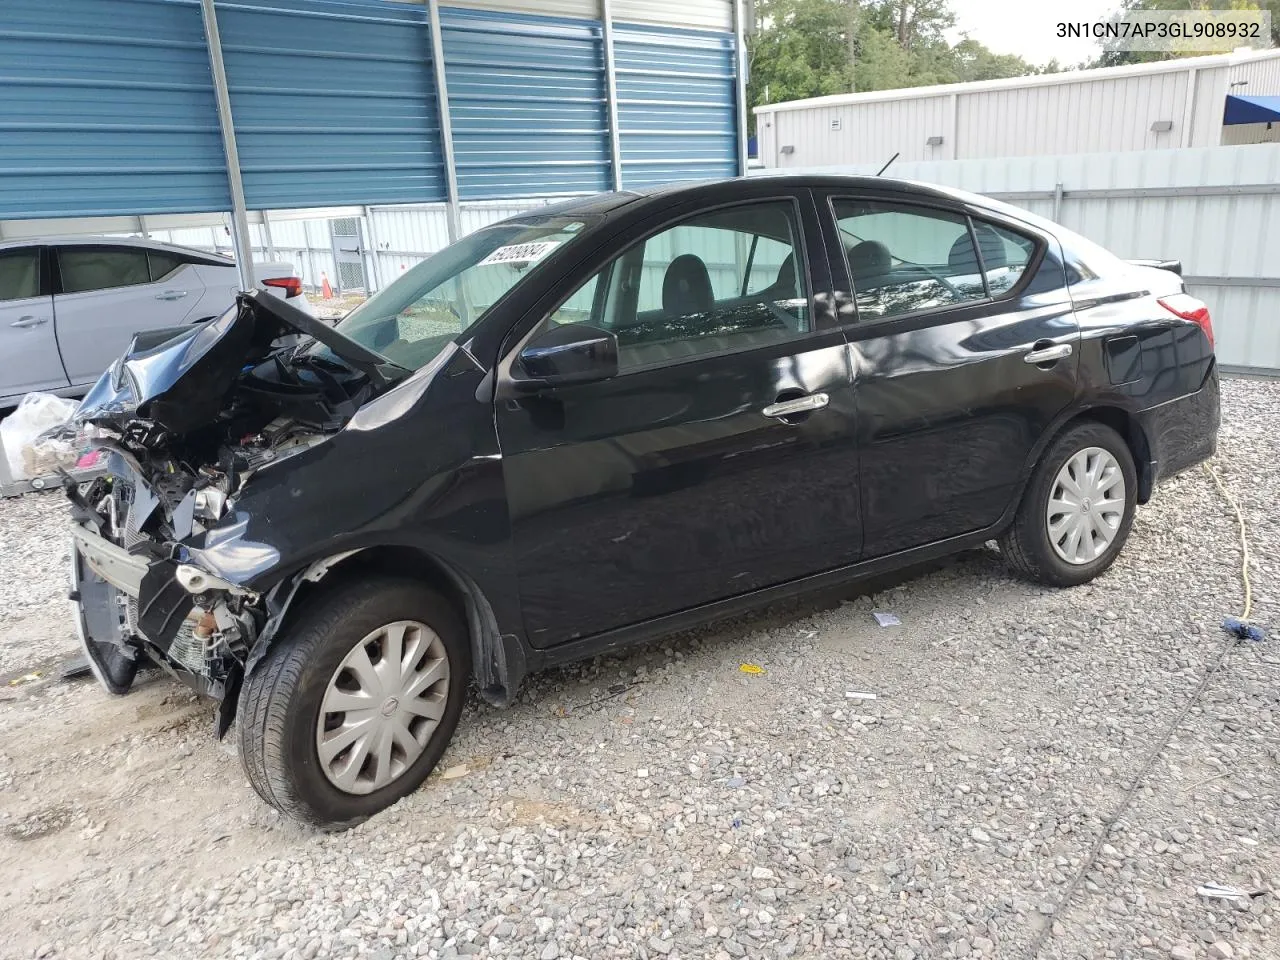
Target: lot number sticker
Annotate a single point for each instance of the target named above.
(521, 252)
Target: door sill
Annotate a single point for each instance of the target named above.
(621, 638)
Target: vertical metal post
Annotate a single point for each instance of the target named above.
(1189, 108)
(740, 84)
(446, 124)
(239, 217)
(611, 93)
(369, 242)
(953, 108)
(266, 235)
(1057, 203)
(142, 227)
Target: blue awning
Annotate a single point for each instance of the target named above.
(1251, 110)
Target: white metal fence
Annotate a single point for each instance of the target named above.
(1217, 209)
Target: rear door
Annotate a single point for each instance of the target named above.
(963, 348)
(107, 293)
(29, 357)
(679, 481)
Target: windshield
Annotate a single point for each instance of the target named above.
(410, 321)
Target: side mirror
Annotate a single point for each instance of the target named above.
(573, 353)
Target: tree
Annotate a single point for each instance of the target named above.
(1111, 57)
(812, 48)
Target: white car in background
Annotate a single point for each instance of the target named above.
(69, 306)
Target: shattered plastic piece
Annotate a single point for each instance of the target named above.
(453, 773)
(751, 668)
(1219, 892)
(856, 695)
(1243, 630)
(887, 619)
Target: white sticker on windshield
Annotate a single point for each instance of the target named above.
(521, 252)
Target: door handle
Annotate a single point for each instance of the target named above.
(171, 295)
(29, 321)
(789, 408)
(1047, 354)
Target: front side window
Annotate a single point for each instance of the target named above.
(905, 259)
(412, 319)
(20, 274)
(719, 282)
(101, 268)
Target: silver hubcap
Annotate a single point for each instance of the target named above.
(382, 705)
(1086, 505)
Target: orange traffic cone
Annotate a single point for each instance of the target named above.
(326, 291)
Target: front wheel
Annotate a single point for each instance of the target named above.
(353, 708)
(1077, 510)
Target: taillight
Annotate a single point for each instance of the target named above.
(1189, 308)
(292, 286)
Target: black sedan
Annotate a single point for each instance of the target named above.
(601, 422)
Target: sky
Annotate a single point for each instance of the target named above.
(1028, 27)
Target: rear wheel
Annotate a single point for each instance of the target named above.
(1077, 510)
(352, 709)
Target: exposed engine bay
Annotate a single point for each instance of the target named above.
(186, 423)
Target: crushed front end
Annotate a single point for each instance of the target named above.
(159, 561)
(139, 599)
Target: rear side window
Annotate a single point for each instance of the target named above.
(102, 268)
(162, 264)
(20, 274)
(1005, 256)
(904, 259)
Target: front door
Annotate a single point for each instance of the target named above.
(949, 310)
(29, 358)
(721, 458)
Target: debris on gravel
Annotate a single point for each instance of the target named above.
(666, 804)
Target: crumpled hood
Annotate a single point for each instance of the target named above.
(180, 382)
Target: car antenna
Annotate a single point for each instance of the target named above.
(887, 162)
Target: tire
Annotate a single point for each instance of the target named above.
(1028, 546)
(281, 703)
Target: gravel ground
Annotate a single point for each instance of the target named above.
(666, 804)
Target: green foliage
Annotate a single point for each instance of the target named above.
(1115, 58)
(811, 48)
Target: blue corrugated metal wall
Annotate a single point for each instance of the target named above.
(334, 102)
(528, 104)
(106, 109)
(677, 101)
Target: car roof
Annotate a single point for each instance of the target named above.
(98, 240)
(604, 203)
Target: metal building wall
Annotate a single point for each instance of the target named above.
(1083, 112)
(695, 14)
(99, 118)
(677, 104)
(527, 98)
(341, 112)
(1098, 115)
(111, 109)
(1217, 209)
(1261, 77)
(704, 14)
(877, 129)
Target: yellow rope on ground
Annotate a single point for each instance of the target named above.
(1244, 539)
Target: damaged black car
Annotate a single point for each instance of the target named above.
(602, 422)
